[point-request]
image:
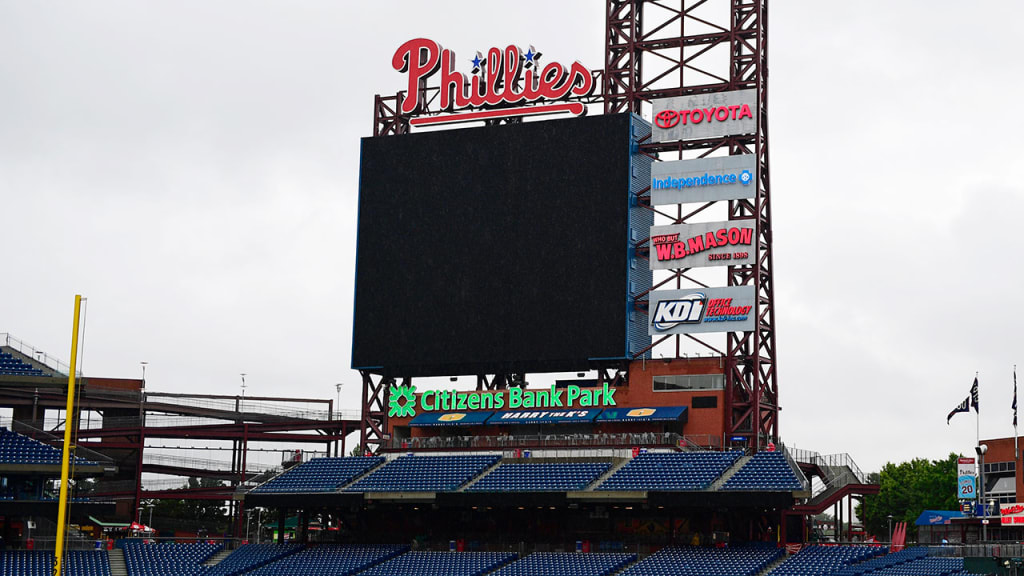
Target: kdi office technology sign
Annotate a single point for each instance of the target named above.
(701, 310)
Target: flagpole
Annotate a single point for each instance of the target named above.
(1016, 449)
(977, 414)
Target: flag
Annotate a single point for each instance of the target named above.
(974, 394)
(1014, 396)
(962, 407)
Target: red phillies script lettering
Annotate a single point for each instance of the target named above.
(507, 79)
(670, 118)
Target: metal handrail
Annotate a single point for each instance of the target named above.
(45, 437)
(38, 355)
(656, 439)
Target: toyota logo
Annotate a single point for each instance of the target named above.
(666, 118)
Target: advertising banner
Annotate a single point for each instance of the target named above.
(1011, 514)
(701, 310)
(698, 245)
(966, 479)
(705, 116)
(703, 179)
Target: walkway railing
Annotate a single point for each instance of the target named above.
(38, 355)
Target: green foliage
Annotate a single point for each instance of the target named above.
(906, 490)
(211, 515)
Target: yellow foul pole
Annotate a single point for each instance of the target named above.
(68, 420)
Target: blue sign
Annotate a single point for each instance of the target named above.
(965, 488)
(653, 414)
(450, 418)
(542, 416)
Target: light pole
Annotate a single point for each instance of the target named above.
(981, 449)
(890, 530)
(150, 506)
(143, 364)
(259, 523)
(337, 407)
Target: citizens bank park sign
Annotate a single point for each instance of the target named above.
(700, 245)
(503, 82)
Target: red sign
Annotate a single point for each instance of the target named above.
(670, 118)
(501, 77)
(671, 247)
(1012, 514)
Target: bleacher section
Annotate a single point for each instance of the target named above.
(441, 564)
(320, 475)
(395, 560)
(765, 471)
(40, 563)
(567, 564)
(424, 474)
(822, 560)
(19, 449)
(540, 477)
(330, 560)
(697, 561)
(883, 561)
(250, 557)
(671, 471)
(12, 366)
(168, 559)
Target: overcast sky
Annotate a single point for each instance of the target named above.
(192, 169)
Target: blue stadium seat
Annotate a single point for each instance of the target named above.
(168, 559)
(319, 475)
(330, 560)
(540, 477)
(567, 564)
(441, 564)
(424, 474)
(765, 471)
(671, 471)
(701, 561)
(41, 563)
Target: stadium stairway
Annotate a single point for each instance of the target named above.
(617, 463)
(118, 567)
(774, 565)
(216, 558)
(841, 481)
(721, 480)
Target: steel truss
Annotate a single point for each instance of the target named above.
(660, 49)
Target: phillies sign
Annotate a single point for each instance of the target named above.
(501, 79)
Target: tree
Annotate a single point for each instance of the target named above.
(194, 514)
(906, 490)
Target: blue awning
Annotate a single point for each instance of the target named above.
(542, 416)
(937, 517)
(651, 414)
(450, 418)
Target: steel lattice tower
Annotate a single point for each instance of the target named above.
(657, 49)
